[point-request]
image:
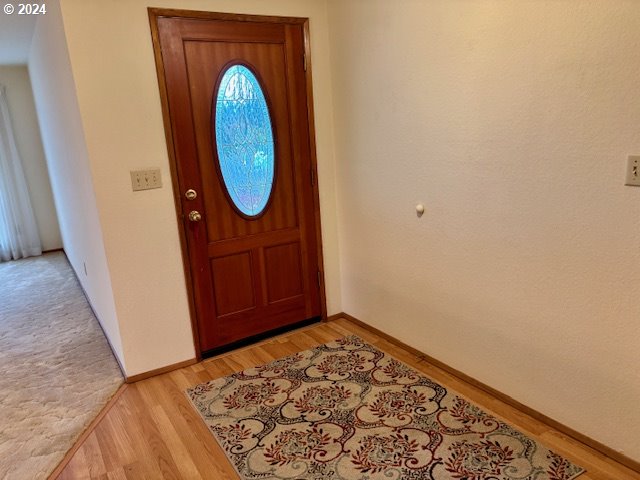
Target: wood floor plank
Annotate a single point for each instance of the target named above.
(117, 474)
(77, 468)
(207, 456)
(178, 449)
(153, 432)
(145, 466)
(113, 433)
(94, 460)
(156, 445)
(280, 349)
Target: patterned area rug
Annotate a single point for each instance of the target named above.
(347, 411)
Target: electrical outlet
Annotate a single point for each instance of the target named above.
(145, 179)
(633, 171)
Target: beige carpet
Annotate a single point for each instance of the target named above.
(347, 411)
(56, 368)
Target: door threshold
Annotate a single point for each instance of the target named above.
(257, 338)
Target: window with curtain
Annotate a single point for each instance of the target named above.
(18, 230)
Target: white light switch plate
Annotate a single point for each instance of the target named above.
(146, 179)
(633, 171)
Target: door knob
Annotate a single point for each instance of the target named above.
(195, 216)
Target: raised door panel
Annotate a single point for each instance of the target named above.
(233, 283)
(283, 272)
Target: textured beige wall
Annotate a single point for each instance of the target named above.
(512, 122)
(27, 132)
(114, 71)
(67, 159)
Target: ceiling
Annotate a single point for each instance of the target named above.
(15, 37)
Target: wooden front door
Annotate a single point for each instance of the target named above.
(237, 113)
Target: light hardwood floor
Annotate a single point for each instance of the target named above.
(152, 432)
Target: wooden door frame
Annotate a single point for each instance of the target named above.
(154, 15)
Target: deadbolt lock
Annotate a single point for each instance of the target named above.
(191, 194)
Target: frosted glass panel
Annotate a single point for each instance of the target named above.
(244, 140)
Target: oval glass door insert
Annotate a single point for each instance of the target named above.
(244, 140)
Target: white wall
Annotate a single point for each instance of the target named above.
(67, 159)
(29, 143)
(512, 122)
(113, 68)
